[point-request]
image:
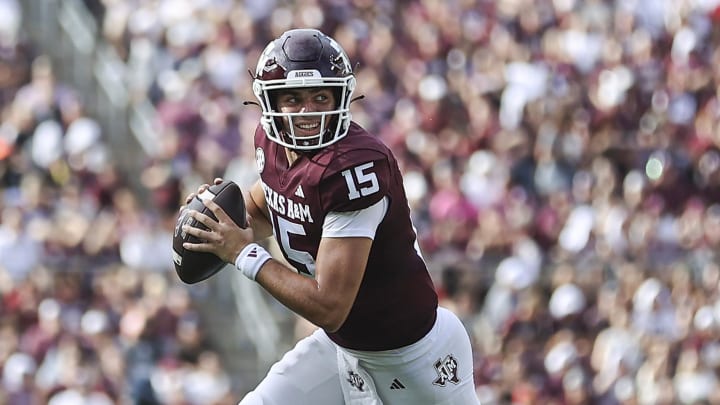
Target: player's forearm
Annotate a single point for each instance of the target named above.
(304, 295)
(262, 228)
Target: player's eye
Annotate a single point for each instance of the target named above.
(324, 96)
(288, 100)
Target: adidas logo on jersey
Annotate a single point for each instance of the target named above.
(397, 385)
(299, 192)
(253, 253)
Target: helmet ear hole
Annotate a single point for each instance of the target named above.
(272, 98)
(337, 93)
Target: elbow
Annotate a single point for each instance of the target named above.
(332, 327)
(333, 319)
(332, 308)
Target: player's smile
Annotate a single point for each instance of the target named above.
(307, 128)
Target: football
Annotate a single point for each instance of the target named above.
(193, 267)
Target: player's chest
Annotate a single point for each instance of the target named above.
(291, 192)
(293, 200)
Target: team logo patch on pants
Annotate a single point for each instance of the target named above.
(446, 369)
(356, 380)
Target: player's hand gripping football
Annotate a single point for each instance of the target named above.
(223, 238)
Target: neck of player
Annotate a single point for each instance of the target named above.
(291, 156)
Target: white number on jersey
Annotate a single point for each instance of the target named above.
(304, 258)
(361, 183)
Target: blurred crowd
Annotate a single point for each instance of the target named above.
(562, 160)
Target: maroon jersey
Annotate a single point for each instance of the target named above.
(396, 303)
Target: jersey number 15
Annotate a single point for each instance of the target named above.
(360, 181)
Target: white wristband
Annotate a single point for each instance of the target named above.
(251, 259)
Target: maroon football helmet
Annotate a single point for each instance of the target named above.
(304, 58)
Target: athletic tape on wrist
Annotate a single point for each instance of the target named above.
(251, 259)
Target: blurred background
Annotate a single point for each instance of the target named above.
(562, 160)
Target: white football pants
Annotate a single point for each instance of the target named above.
(436, 370)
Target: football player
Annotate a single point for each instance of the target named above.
(332, 196)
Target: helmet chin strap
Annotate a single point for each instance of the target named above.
(299, 141)
(329, 125)
(289, 140)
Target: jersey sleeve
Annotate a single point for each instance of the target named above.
(356, 182)
(361, 223)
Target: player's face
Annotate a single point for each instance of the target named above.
(306, 100)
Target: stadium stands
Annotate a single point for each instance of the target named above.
(562, 159)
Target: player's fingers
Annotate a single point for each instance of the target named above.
(199, 233)
(217, 180)
(199, 247)
(188, 199)
(202, 188)
(217, 210)
(203, 219)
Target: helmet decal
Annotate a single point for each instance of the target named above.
(260, 159)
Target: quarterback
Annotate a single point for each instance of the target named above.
(332, 196)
